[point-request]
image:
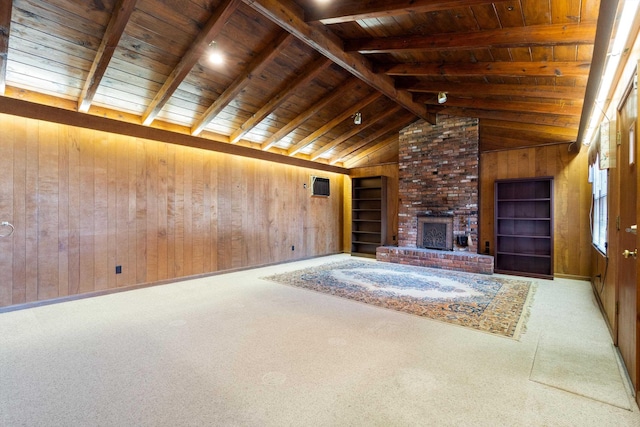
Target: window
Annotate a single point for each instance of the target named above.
(599, 214)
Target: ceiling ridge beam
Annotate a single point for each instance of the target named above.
(306, 75)
(339, 12)
(511, 116)
(562, 109)
(313, 110)
(354, 131)
(266, 56)
(503, 69)
(213, 27)
(334, 122)
(290, 17)
(119, 20)
(5, 25)
(391, 127)
(528, 36)
(527, 127)
(497, 89)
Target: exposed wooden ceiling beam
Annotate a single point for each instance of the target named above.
(494, 143)
(489, 90)
(119, 19)
(213, 27)
(515, 135)
(70, 117)
(338, 93)
(353, 161)
(511, 116)
(561, 109)
(490, 125)
(256, 66)
(289, 16)
(310, 72)
(528, 36)
(333, 123)
(503, 69)
(340, 12)
(5, 25)
(353, 132)
(394, 126)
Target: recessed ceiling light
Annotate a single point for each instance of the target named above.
(215, 55)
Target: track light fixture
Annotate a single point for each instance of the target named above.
(357, 118)
(442, 97)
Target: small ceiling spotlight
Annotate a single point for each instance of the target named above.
(442, 98)
(215, 56)
(357, 118)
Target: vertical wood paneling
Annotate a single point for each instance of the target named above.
(31, 211)
(101, 206)
(163, 212)
(63, 216)
(130, 268)
(197, 214)
(141, 213)
(17, 127)
(178, 212)
(187, 206)
(87, 211)
(122, 214)
(488, 170)
(571, 199)
(73, 142)
(6, 214)
(151, 214)
(112, 211)
(206, 213)
(85, 201)
(213, 219)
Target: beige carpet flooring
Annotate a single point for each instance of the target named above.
(235, 350)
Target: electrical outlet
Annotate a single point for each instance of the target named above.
(118, 269)
(293, 248)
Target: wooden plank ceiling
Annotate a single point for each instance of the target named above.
(295, 74)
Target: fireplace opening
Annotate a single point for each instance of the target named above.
(435, 232)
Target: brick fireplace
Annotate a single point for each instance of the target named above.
(438, 178)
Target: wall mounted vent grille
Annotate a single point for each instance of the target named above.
(319, 186)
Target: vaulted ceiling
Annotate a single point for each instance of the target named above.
(296, 73)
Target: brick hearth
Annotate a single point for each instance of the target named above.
(448, 260)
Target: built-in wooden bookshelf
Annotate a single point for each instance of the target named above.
(368, 215)
(524, 227)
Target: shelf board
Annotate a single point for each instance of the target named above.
(525, 200)
(524, 236)
(524, 255)
(523, 273)
(512, 218)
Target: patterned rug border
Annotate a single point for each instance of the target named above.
(510, 295)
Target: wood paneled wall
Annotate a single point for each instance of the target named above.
(84, 201)
(390, 170)
(572, 199)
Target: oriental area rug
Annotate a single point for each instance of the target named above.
(487, 303)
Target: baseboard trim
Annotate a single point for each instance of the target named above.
(33, 304)
(572, 277)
